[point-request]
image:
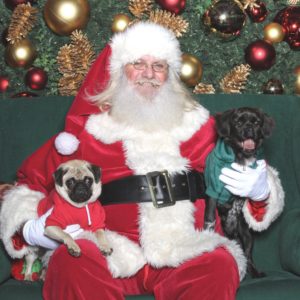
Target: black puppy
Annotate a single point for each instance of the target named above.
(241, 133)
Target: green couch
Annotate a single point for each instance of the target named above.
(25, 124)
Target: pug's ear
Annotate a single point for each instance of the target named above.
(96, 172)
(58, 176)
(223, 122)
(268, 125)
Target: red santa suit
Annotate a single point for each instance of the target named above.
(161, 251)
(90, 217)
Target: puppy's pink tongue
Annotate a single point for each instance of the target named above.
(248, 144)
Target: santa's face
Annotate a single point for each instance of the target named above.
(147, 75)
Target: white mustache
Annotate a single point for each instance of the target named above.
(153, 82)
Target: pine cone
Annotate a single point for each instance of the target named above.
(203, 88)
(139, 8)
(165, 18)
(22, 21)
(235, 80)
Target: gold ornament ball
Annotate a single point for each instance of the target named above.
(64, 16)
(273, 33)
(297, 85)
(120, 23)
(21, 54)
(297, 71)
(191, 69)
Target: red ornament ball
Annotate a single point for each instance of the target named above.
(289, 19)
(11, 4)
(24, 94)
(174, 6)
(260, 55)
(257, 13)
(36, 78)
(4, 83)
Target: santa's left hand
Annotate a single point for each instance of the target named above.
(247, 182)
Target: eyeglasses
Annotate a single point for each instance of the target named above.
(157, 67)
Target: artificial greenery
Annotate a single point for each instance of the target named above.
(217, 55)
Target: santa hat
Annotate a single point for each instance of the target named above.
(145, 38)
(142, 38)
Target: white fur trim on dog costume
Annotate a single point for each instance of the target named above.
(19, 205)
(66, 143)
(275, 203)
(144, 38)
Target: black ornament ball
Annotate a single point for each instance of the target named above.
(226, 17)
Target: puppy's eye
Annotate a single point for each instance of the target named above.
(238, 123)
(88, 181)
(70, 183)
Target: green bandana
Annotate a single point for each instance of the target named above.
(221, 157)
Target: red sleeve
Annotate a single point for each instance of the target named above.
(197, 148)
(98, 216)
(257, 209)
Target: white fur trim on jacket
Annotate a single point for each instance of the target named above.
(66, 143)
(275, 203)
(19, 205)
(144, 38)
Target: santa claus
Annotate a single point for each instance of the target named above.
(135, 120)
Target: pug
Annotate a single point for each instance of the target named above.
(241, 134)
(75, 197)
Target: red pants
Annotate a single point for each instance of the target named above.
(212, 276)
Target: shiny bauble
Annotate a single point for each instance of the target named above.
(274, 33)
(273, 86)
(120, 23)
(173, 6)
(225, 17)
(11, 4)
(64, 16)
(297, 71)
(21, 54)
(260, 55)
(258, 12)
(289, 19)
(191, 69)
(36, 78)
(24, 94)
(4, 83)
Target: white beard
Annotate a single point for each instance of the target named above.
(164, 110)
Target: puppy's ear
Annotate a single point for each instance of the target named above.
(268, 125)
(58, 176)
(96, 172)
(223, 122)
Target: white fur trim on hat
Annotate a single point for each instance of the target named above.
(66, 143)
(145, 38)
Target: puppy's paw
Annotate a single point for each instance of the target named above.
(73, 248)
(106, 251)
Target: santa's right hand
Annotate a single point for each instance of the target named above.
(33, 232)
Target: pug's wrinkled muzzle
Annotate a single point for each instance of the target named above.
(80, 193)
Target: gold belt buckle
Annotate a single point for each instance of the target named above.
(165, 202)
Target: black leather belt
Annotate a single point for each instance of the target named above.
(160, 188)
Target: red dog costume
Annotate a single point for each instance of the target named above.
(161, 251)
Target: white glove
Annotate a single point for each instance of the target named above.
(247, 182)
(33, 232)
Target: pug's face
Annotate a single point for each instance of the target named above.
(78, 182)
(244, 129)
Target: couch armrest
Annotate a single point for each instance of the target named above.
(4, 264)
(289, 241)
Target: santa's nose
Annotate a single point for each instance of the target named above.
(148, 72)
